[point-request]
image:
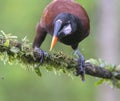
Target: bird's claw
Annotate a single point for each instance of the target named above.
(80, 70)
(41, 54)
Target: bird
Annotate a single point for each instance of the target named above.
(67, 22)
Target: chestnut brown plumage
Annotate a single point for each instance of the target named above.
(67, 22)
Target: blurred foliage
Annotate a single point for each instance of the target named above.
(16, 84)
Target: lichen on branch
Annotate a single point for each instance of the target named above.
(11, 49)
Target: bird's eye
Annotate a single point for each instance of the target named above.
(66, 23)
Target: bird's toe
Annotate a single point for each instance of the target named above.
(40, 54)
(80, 70)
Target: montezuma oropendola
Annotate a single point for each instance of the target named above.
(68, 22)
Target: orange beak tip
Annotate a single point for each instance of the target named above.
(54, 41)
(50, 49)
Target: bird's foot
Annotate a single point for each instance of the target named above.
(39, 56)
(80, 70)
(40, 53)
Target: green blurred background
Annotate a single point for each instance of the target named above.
(20, 17)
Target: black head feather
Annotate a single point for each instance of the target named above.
(71, 28)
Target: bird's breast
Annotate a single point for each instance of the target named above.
(70, 39)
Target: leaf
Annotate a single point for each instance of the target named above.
(7, 43)
(38, 72)
(5, 58)
(111, 67)
(93, 61)
(49, 68)
(117, 84)
(13, 37)
(24, 39)
(3, 33)
(102, 63)
(117, 68)
(99, 82)
(14, 49)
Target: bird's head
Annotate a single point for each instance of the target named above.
(64, 25)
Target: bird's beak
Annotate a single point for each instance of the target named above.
(54, 41)
(57, 27)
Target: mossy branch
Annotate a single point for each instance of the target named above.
(23, 52)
